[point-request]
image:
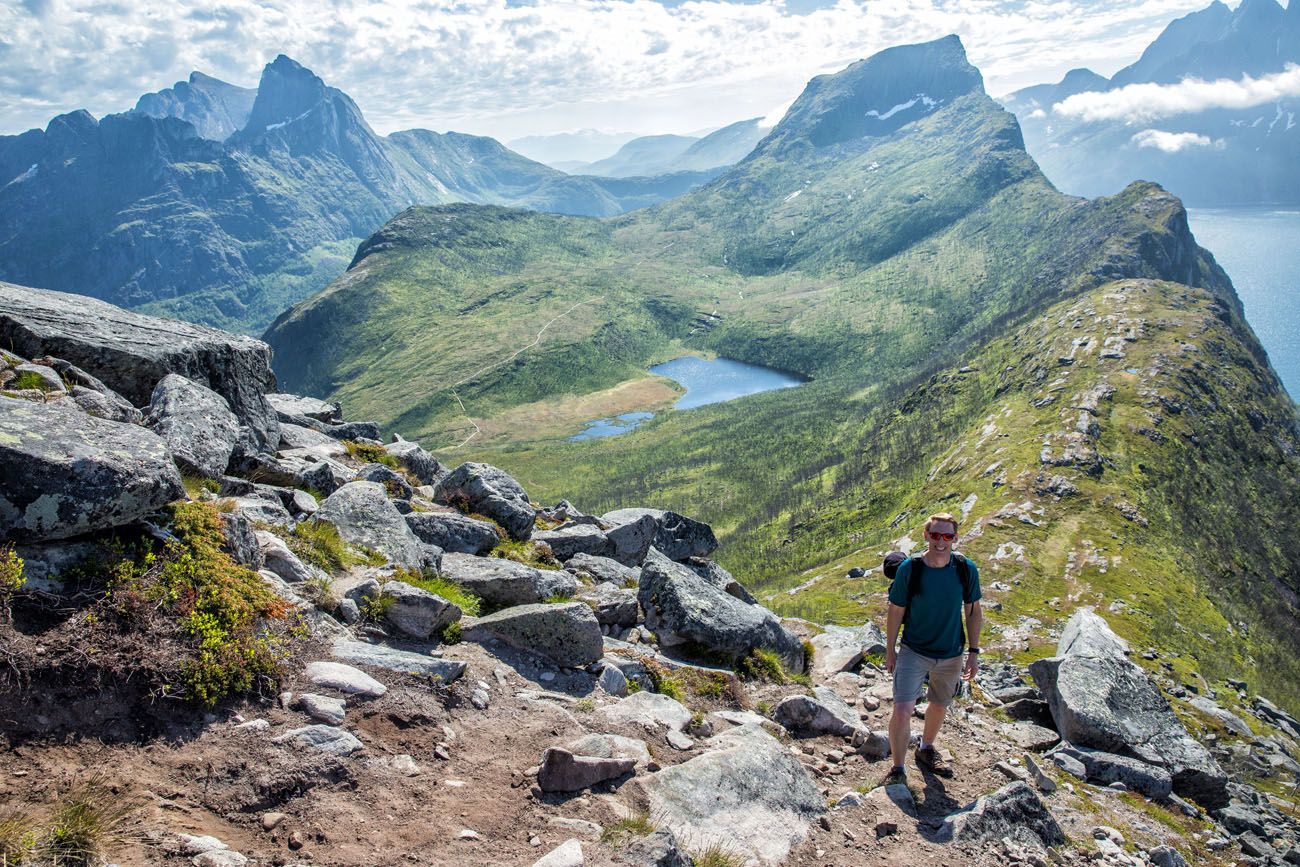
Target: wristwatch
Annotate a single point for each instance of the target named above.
(973, 650)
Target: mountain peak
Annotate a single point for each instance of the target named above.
(876, 96)
(287, 91)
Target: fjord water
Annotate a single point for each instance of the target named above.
(1259, 247)
(706, 381)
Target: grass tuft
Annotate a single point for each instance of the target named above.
(535, 554)
(319, 544)
(369, 454)
(636, 825)
(18, 836)
(762, 664)
(469, 604)
(716, 856)
(88, 821)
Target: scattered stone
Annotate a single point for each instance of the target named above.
(1013, 811)
(1166, 856)
(196, 423)
(659, 849)
(416, 612)
(344, 678)
(277, 558)
(678, 741)
(401, 661)
(566, 633)
(322, 707)
(603, 746)
(491, 492)
(649, 709)
(1042, 782)
(841, 648)
(197, 844)
(1028, 736)
(1225, 718)
(219, 858)
(613, 681)
(322, 737)
(1070, 765)
(453, 532)
(271, 821)
(417, 462)
(824, 712)
(871, 744)
(562, 771)
(567, 854)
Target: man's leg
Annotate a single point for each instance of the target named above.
(900, 730)
(934, 714)
(944, 677)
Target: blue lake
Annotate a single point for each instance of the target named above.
(706, 381)
(1260, 249)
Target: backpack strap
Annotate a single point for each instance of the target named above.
(914, 582)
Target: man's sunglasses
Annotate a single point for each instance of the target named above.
(947, 537)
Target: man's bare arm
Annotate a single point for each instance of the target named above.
(893, 623)
(974, 622)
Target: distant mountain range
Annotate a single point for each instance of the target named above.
(663, 154)
(225, 205)
(1093, 135)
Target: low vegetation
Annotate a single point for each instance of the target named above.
(79, 830)
(367, 453)
(469, 604)
(318, 543)
(636, 825)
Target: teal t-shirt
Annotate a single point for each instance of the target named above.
(934, 626)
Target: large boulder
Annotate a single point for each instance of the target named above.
(296, 405)
(1012, 811)
(599, 570)
(453, 532)
(1101, 699)
(841, 648)
(821, 713)
(614, 606)
(130, 352)
(720, 578)
(649, 709)
(1104, 768)
(566, 633)
(681, 608)
(196, 422)
(574, 539)
(364, 516)
(417, 461)
(747, 794)
(64, 473)
(631, 533)
(416, 612)
(676, 536)
(500, 582)
(93, 396)
(489, 491)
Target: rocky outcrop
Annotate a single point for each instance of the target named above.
(131, 353)
(489, 491)
(64, 473)
(748, 794)
(1101, 699)
(566, 633)
(682, 608)
(675, 536)
(196, 423)
(365, 516)
(500, 582)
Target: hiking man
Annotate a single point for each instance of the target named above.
(934, 643)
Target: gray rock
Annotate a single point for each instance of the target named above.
(841, 648)
(676, 536)
(130, 352)
(567, 854)
(501, 582)
(279, 559)
(575, 539)
(1100, 699)
(344, 678)
(613, 606)
(1104, 768)
(1070, 765)
(394, 482)
(613, 681)
(416, 612)
(240, 540)
(294, 436)
(322, 737)
(196, 423)
(491, 492)
(45, 565)
(599, 570)
(681, 608)
(1044, 783)
(219, 858)
(603, 746)
(47, 376)
(302, 503)
(1225, 718)
(562, 771)
(453, 532)
(746, 793)
(720, 578)
(659, 849)
(1166, 856)
(64, 473)
(648, 709)
(1028, 736)
(871, 744)
(100, 405)
(325, 708)
(364, 516)
(634, 670)
(401, 661)
(566, 633)
(263, 511)
(317, 410)
(1013, 811)
(824, 712)
(631, 534)
(417, 461)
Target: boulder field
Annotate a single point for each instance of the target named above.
(474, 678)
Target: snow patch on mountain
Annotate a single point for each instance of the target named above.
(903, 106)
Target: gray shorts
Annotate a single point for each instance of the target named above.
(910, 669)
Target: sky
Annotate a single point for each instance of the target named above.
(510, 69)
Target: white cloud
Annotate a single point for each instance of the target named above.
(1037, 114)
(507, 68)
(1141, 103)
(1170, 142)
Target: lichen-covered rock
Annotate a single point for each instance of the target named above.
(599, 570)
(417, 461)
(566, 633)
(453, 532)
(416, 612)
(676, 536)
(1013, 811)
(575, 539)
(492, 492)
(841, 648)
(682, 608)
(394, 482)
(614, 606)
(64, 473)
(293, 404)
(823, 712)
(240, 540)
(196, 423)
(277, 558)
(631, 533)
(130, 352)
(364, 516)
(501, 582)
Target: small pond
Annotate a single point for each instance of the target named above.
(706, 381)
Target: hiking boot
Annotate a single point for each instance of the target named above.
(928, 759)
(895, 775)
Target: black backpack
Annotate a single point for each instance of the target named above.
(894, 559)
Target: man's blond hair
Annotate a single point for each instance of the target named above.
(937, 517)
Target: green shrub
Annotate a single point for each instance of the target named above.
(762, 664)
(469, 604)
(665, 683)
(368, 454)
(195, 485)
(12, 577)
(451, 633)
(319, 544)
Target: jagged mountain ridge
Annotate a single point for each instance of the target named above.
(146, 209)
(1210, 157)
